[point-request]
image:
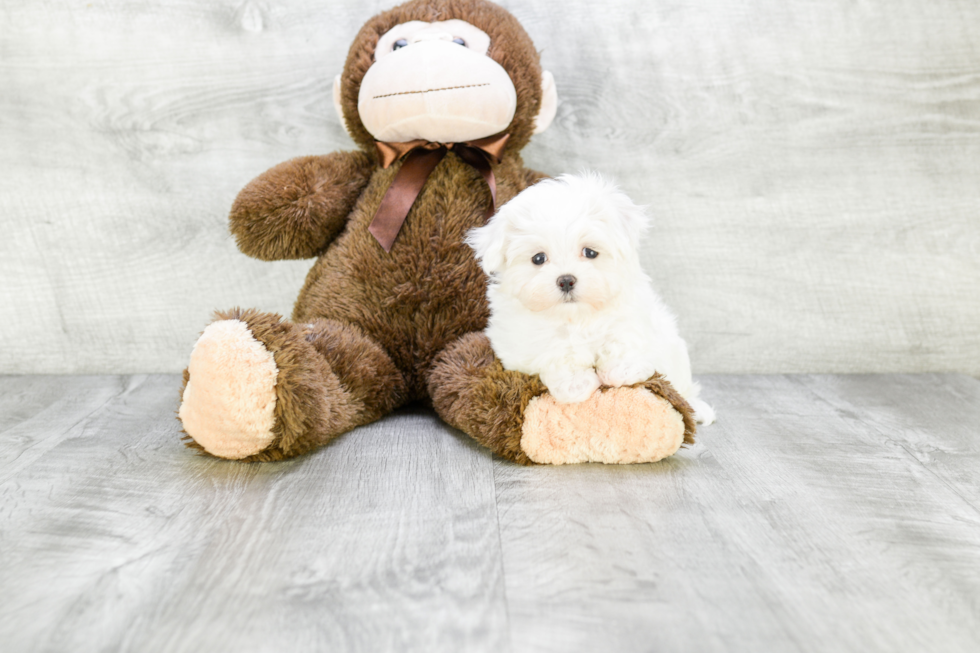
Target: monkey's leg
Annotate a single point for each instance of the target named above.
(513, 415)
(261, 388)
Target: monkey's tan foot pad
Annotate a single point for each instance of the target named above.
(615, 426)
(229, 402)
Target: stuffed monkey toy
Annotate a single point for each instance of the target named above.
(440, 96)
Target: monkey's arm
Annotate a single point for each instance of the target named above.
(296, 208)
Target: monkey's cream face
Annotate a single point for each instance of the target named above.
(456, 31)
(435, 82)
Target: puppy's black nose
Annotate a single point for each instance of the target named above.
(566, 282)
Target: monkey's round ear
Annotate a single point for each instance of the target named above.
(549, 103)
(337, 106)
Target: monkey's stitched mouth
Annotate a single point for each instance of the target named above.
(431, 90)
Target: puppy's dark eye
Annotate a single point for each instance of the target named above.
(539, 258)
(400, 43)
(459, 41)
(589, 253)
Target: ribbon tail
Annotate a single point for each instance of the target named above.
(480, 160)
(400, 196)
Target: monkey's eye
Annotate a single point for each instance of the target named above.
(539, 258)
(400, 43)
(589, 253)
(459, 41)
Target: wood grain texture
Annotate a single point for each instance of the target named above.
(119, 538)
(820, 513)
(811, 167)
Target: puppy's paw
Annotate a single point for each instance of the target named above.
(571, 387)
(703, 413)
(625, 372)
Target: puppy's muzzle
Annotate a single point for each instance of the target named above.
(566, 282)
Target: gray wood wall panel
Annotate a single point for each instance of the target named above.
(812, 168)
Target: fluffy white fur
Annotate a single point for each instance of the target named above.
(610, 328)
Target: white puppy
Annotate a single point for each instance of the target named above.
(569, 300)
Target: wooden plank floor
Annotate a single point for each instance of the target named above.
(821, 513)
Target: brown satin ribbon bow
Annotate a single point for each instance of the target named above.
(422, 159)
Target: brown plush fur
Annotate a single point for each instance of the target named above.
(473, 392)
(295, 209)
(376, 329)
(331, 379)
(428, 290)
(368, 374)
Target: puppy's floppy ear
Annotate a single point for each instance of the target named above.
(633, 218)
(489, 242)
(626, 218)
